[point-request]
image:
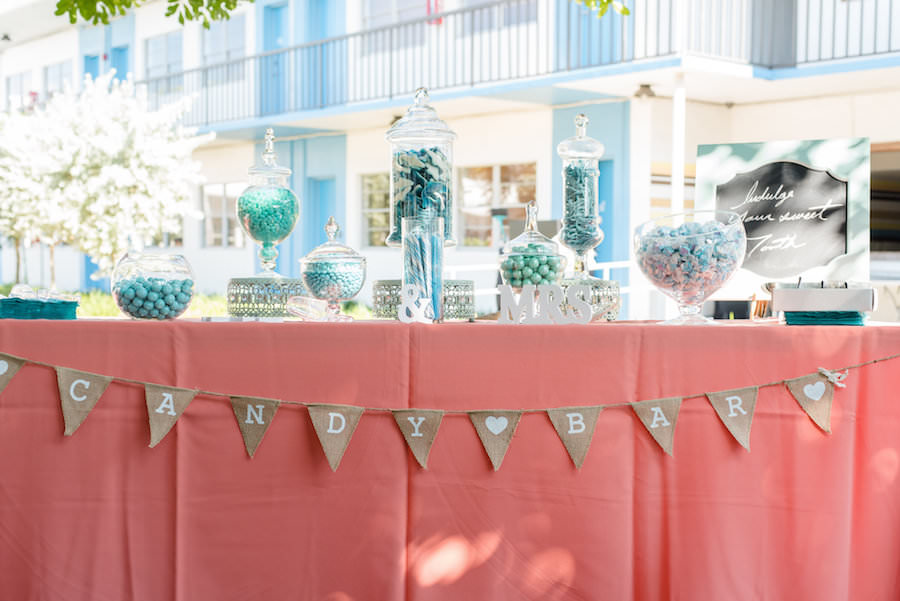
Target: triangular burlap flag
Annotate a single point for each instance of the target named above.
(419, 427)
(659, 417)
(79, 391)
(575, 426)
(334, 426)
(814, 393)
(735, 408)
(496, 430)
(254, 416)
(164, 406)
(8, 367)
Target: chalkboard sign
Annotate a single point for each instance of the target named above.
(795, 217)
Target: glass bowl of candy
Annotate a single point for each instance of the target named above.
(151, 286)
(688, 256)
(333, 272)
(268, 209)
(531, 258)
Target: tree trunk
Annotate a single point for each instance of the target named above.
(53, 267)
(18, 261)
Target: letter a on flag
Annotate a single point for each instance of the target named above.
(659, 417)
(164, 406)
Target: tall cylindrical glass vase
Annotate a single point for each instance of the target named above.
(423, 262)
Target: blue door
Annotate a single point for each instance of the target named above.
(119, 61)
(319, 205)
(604, 251)
(92, 65)
(274, 68)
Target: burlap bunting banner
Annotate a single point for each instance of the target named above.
(575, 427)
(496, 430)
(8, 368)
(814, 393)
(79, 392)
(334, 426)
(254, 416)
(419, 428)
(735, 408)
(164, 406)
(660, 417)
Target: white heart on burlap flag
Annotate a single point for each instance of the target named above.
(814, 393)
(496, 430)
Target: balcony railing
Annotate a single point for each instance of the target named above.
(520, 39)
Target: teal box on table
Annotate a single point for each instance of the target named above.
(29, 308)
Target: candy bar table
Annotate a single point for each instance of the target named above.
(99, 516)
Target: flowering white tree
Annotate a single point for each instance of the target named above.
(21, 183)
(110, 173)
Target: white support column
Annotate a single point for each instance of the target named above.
(679, 109)
(640, 146)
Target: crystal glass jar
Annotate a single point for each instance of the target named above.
(150, 286)
(531, 257)
(421, 168)
(690, 255)
(333, 272)
(268, 209)
(581, 222)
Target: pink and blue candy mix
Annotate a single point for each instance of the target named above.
(692, 260)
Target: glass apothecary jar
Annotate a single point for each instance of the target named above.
(333, 272)
(581, 231)
(421, 168)
(150, 286)
(531, 257)
(268, 209)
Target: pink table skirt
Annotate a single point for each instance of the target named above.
(99, 516)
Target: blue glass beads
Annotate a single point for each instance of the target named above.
(153, 298)
(528, 265)
(334, 280)
(268, 214)
(580, 220)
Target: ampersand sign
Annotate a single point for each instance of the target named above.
(410, 309)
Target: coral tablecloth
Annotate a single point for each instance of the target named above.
(100, 516)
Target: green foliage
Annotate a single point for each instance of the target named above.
(98, 303)
(100, 11)
(602, 6)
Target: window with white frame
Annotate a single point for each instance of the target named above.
(509, 14)
(484, 189)
(220, 223)
(17, 90)
(376, 190)
(163, 55)
(56, 77)
(224, 42)
(381, 13)
(163, 59)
